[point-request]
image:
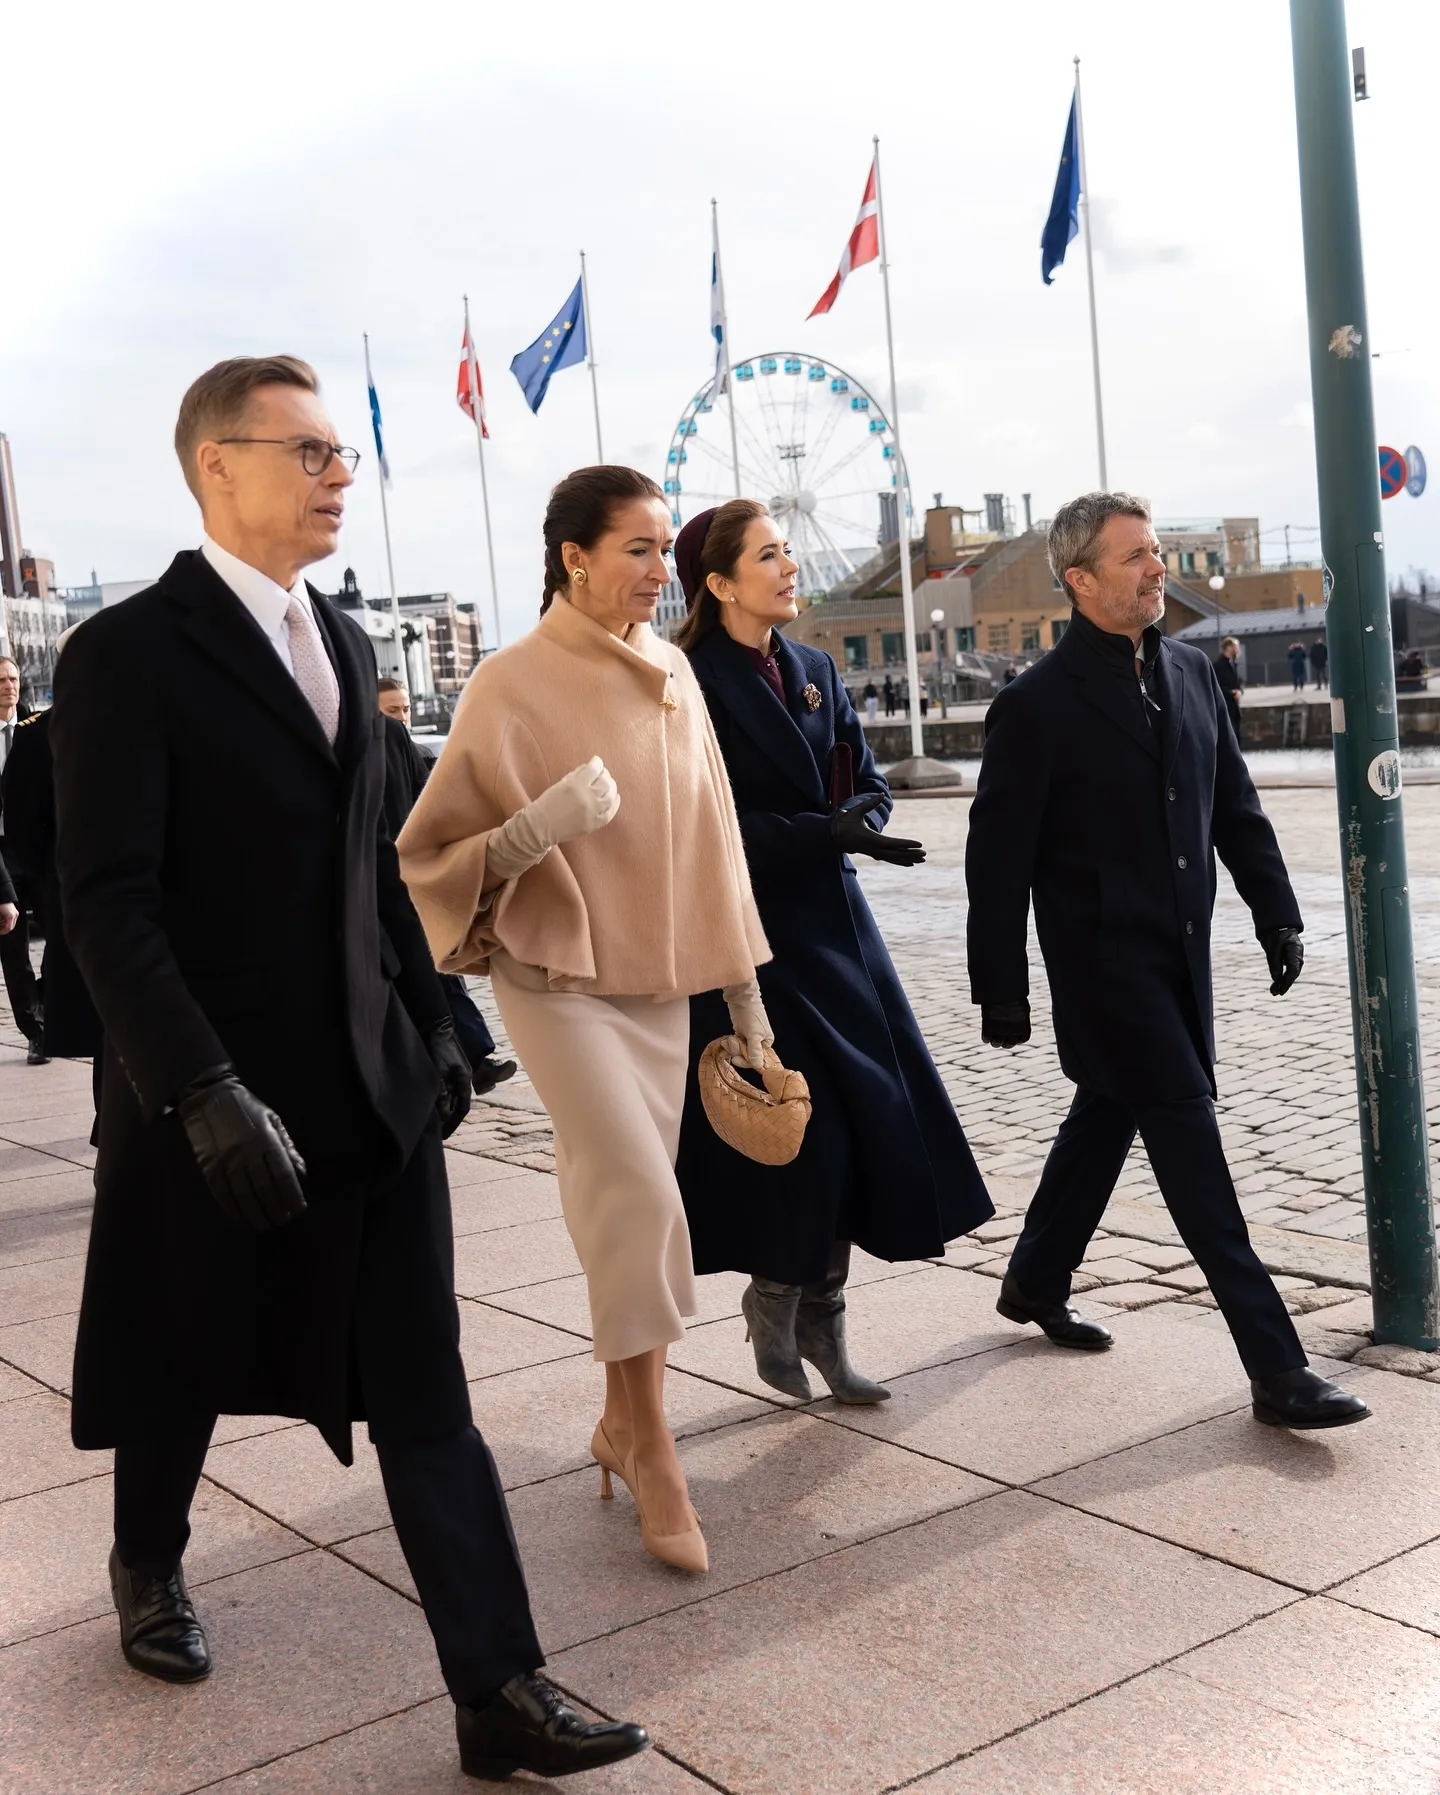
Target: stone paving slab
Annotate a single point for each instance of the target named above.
(956, 1623)
(1162, 1734)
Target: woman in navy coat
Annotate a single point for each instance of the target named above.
(884, 1163)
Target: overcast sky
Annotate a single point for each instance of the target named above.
(187, 182)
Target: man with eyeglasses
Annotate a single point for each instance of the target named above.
(1110, 780)
(272, 1228)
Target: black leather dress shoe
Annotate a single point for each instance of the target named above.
(159, 1630)
(487, 1073)
(35, 1054)
(1062, 1322)
(1304, 1399)
(530, 1726)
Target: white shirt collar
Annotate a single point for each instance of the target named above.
(266, 601)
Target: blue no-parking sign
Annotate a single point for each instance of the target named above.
(1393, 472)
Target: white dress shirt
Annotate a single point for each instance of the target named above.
(266, 601)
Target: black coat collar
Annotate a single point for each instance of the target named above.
(216, 621)
(1106, 672)
(797, 748)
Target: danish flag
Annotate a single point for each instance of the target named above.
(471, 400)
(863, 247)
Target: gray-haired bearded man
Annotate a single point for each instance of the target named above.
(1111, 778)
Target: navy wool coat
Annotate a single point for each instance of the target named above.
(1112, 822)
(885, 1163)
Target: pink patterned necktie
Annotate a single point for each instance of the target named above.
(313, 673)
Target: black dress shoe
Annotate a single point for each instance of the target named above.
(529, 1725)
(1062, 1322)
(487, 1073)
(159, 1630)
(1304, 1399)
(35, 1054)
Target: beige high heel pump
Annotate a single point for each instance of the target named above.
(684, 1551)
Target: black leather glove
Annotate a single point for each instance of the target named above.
(853, 835)
(1286, 953)
(1005, 1024)
(243, 1151)
(456, 1086)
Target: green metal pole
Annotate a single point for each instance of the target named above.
(1394, 1149)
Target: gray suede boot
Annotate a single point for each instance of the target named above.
(769, 1311)
(820, 1333)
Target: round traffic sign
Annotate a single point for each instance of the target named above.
(1393, 472)
(1415, 468)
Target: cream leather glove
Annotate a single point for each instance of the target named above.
(578, 804)
(753, 1033)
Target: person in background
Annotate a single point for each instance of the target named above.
(27, 790)
(272, 1230)
(1320, 662)
(889, 691)
(406, 770)
(884, 1163)
(578, 841)
(1227, 671)
(21, 986)
(1109, 782)
(1012, 672)
(872, 701)
(1295, 654)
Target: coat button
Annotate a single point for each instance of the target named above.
(1189, 928)
(1171, 794)
(1182, 863)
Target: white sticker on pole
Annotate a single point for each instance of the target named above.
(1384, 774)
(1337, 715)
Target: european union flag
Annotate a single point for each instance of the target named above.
(1063, 223)
(561, 346)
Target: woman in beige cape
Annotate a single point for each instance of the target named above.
(577, 841)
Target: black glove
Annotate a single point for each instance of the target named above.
(1286, 953)
(456, 1087)
(1005, 1024)
(243, 1151)
(853, 835)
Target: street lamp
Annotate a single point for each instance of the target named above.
(1216, 583)
(937, 620)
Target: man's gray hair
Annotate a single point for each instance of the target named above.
(1076, 526)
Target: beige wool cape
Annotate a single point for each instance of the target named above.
(657, 902)
(594, 952)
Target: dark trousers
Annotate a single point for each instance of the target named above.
(1182, 1141)
(21, 986)
(476, 1041)
(454, 1528)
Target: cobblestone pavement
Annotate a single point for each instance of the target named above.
(1287, 1093)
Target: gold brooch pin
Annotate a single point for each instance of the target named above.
(811, 695)
(669, 703)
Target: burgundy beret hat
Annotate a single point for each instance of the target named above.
(689, 546)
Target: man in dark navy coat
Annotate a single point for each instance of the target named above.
(1110, 780)
(272, 1226)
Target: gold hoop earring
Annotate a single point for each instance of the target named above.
(580, 577)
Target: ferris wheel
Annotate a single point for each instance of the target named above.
(812, 444)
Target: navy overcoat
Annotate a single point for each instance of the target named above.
(1111, 812)
(885, 1163)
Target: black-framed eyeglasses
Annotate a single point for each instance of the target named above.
(315, 455)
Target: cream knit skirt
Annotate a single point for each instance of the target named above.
(611, 1072)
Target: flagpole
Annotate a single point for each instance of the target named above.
(1090, 279)
(402, 670)
(907, 587)
(725, 344)
(477, 407)
(590, 354)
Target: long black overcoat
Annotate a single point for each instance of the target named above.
(230, 894)
(27, 790)
(1113, 824)
(884, 1163)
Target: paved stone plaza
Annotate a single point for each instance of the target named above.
(1030, 1571)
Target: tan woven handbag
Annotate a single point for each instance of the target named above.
(767, 1125)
